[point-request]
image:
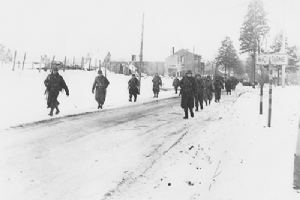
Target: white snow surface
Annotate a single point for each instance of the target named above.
(231, 154)
(23, 98)
(226, 152)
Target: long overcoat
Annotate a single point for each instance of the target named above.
(100, 84)
(133, 85)
(156, 84)
(54, 84)
(188, 89)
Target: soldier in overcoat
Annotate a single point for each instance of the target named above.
(228, 85)
(133, 87)
(188, 89)
(176, 84)
(209, 89)
(157, 83)
(100, 84)
(54, 84)
(218, 86)
(199, 94)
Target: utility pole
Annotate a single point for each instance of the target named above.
(73, 65)
(141, 55)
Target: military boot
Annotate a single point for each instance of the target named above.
(192, 113)
(57, 110)
(51, 112)
(186, 114)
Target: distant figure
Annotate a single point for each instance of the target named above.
(234, 82)
(133, 87)
(228, 86)
(209, 88)
(199, 95)
(54, 84)
(188, 87)
(100, 84)
(176, 84)
(218, 84)
(157, 83)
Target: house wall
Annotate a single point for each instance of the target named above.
(182, 61)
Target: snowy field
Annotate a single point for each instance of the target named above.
(23, 99)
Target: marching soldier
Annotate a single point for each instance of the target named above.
(199, 95)
(209, 89)
(54, 84)
(100, 84)
(228, 85)
(176, 84)
(133, 85)
(218, 85)
(188, 87)
(157, 83)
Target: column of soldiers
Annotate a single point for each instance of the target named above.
(194, 92)
(55, 83)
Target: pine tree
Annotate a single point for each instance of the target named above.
(227, 56)
(253, 30)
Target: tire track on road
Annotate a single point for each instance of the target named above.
(132, 178)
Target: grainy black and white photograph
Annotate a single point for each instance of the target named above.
(150, 100)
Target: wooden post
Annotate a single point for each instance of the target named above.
(40, 63)
(82, 62)
(297, 161)
(90, 64)
(14, 62)
(261, 92)
(24, 61)
(278, 71)
(52, 62)
(270, 95)
(105, 68)
(254, 68)
(283, 75)
(65, 63)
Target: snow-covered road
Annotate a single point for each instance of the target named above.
(146, 151)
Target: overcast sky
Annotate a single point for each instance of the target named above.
(76, 27)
